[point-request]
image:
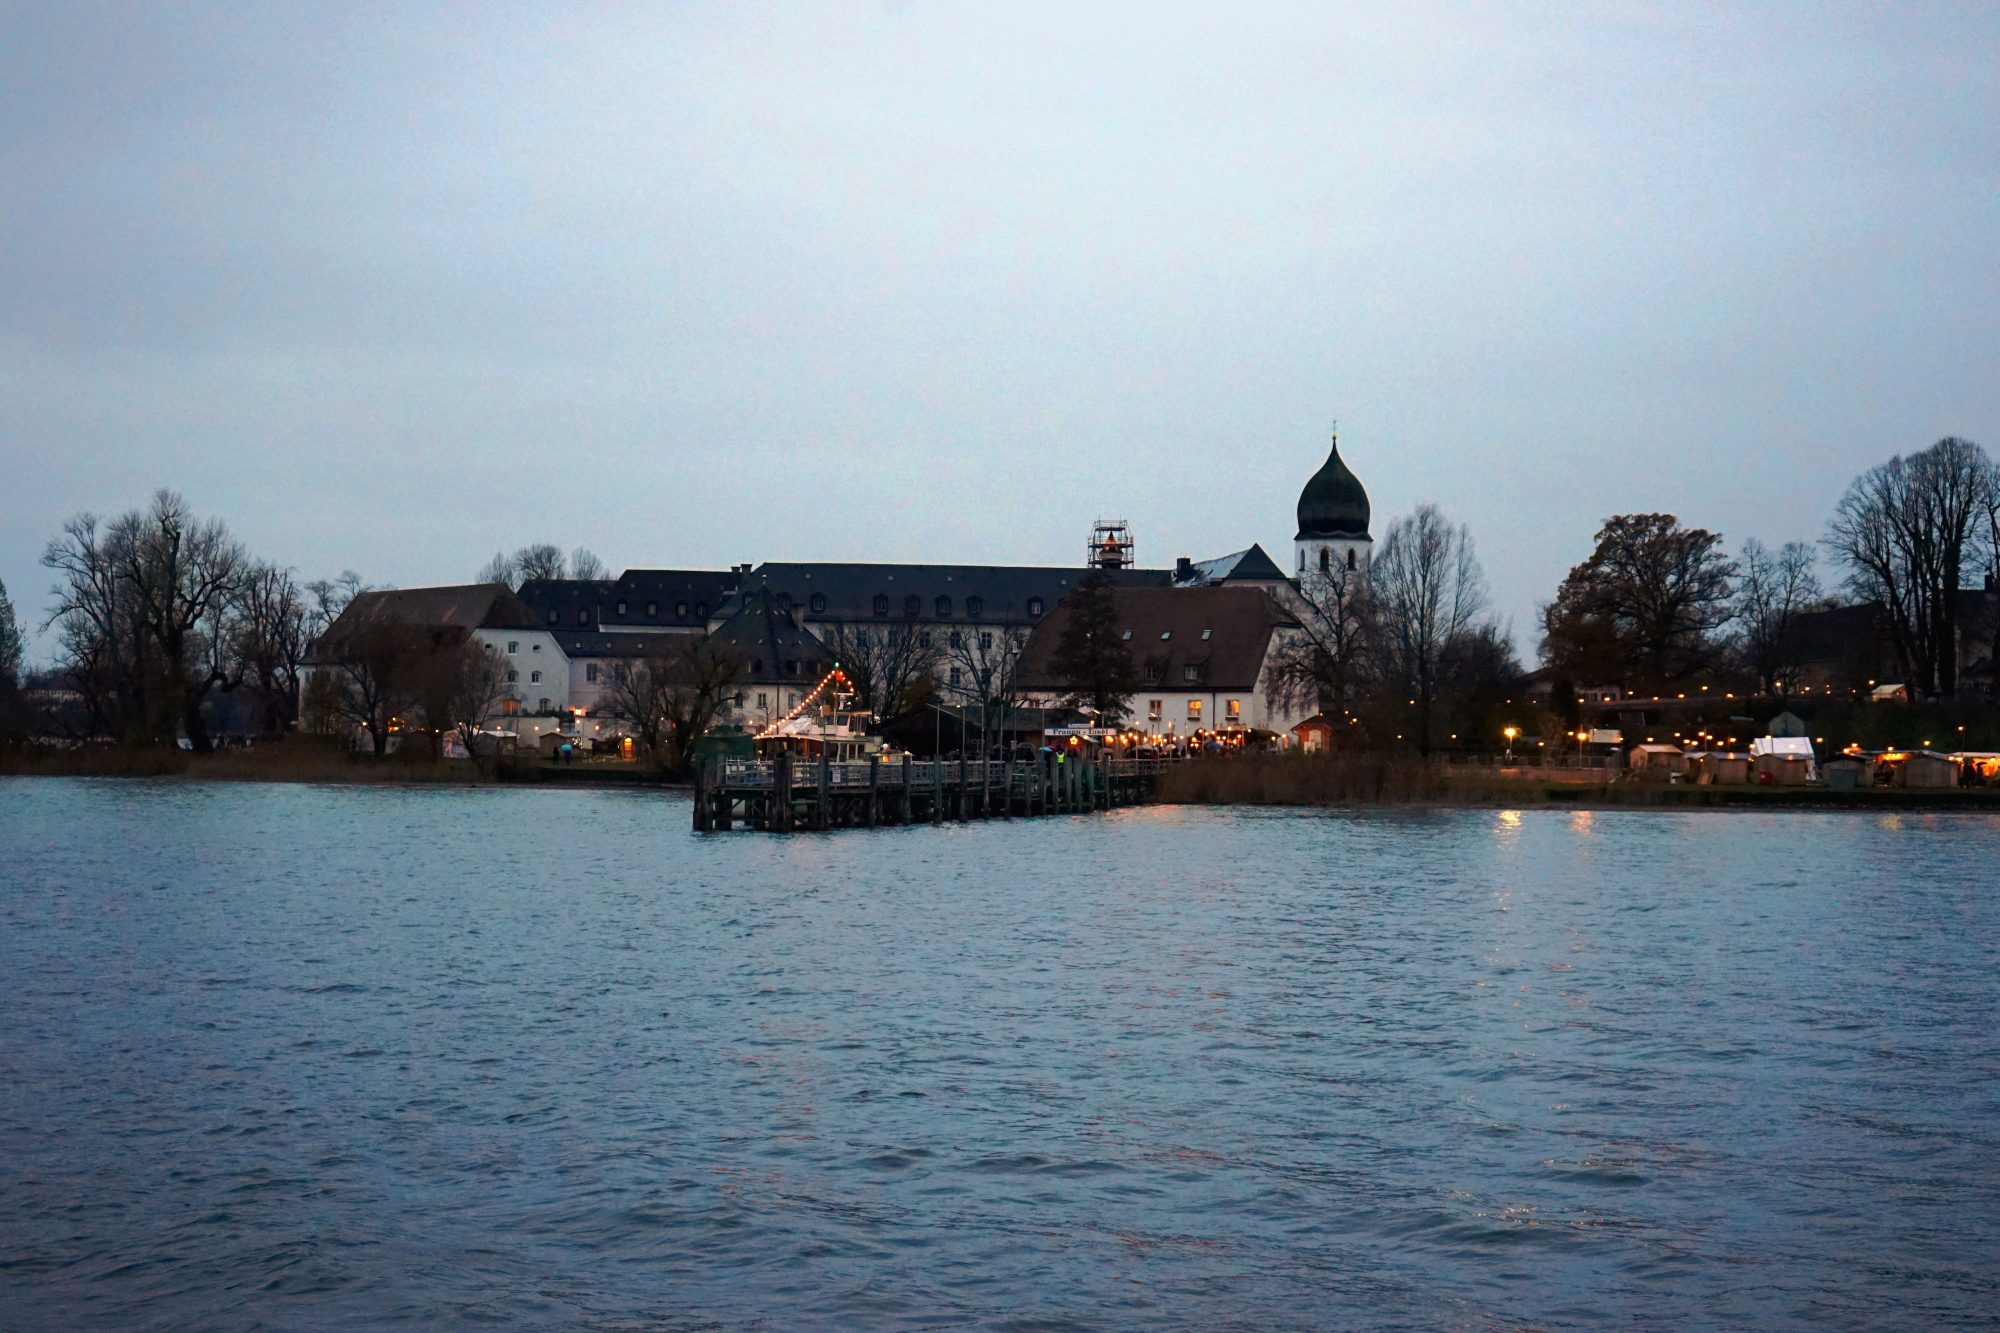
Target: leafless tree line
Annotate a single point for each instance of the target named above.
(158, 611)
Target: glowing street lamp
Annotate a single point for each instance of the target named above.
(1510, 733)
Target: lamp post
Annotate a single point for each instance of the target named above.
(1510, 733)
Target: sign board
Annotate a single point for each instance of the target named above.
(1081, 731)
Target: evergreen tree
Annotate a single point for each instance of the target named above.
(1091, 657)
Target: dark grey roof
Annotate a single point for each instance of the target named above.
(1005, 594)
(667, 598)
(1239, 622)
(567, 599)
(464, 607)
(770, 647)
(1333, 504)
(1247, 566)
(616, 644)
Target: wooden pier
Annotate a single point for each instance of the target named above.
(789, 792)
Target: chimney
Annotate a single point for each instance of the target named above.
(1183, 569)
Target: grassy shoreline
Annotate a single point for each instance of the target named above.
(1306, 781)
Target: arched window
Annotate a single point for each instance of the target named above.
(1325, 560)
(913, 606)
(944, 608)
(534, 676)
(973, 606)
(881, 604)
(1350, 559)
(818, 602)
(513, 676)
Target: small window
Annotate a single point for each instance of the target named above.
(680, 610)
(621, 610)
(924, 639)
(1152, 710)
(590, 671)
(818, 602)
(757, 667)
(1154, 670)
(513, 645)
(509, 707)
(955, 675)
(1034, 606)
(1205, 633)
(513, 676)
(1190, 672)
(1166, 634)
(913, 606)
(1350, 558)
(1325, 560)
(552, 615)
(792, 668)
(544, 703)
(739, 698)
(986, 639)
(534, 676)
(1126, 635)
(944, 608)
(1235, 708)
(534, 647)
(784, 601)
(763, 699)
(582, 616)
(881, 604)
(701, 610)
(973, 606)
(956, 639)
(653, 609)
(1194, 710)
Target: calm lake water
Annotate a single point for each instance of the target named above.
(306, 1057)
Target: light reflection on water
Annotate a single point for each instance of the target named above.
(319, 1056)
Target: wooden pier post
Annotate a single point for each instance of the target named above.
(874, 790)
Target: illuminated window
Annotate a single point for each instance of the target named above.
(509, 707)
(1194, 710)
(763, 699)
(1235, 709)
(1126, 635)
(1205, 633)
(1152, 710)
(1166, 634)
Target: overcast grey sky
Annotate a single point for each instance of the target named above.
(392, 287)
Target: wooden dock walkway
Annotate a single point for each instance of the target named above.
(791, 792)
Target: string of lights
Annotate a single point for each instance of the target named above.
(806, 703)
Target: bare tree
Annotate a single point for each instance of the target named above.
(1907, 530)
(146, 610)
(671, 697)
(375, 670)
(1774, 589)
(10, 664)
(988, 665)
(1428, 591)
(884, 660)
(541, 560)
(271, 642)
(1324, 661)
(461, 683)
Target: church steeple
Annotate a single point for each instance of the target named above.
(1333, 503)
(1333, 520)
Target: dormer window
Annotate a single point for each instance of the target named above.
(582, 616)
(552, 615)
(913, 606)
(818, 602)
(621, 610)
(944, 608)
(701, 610)
(1034, 606)
(653, 609)
(881, 604)
(680, 610)
(784, 601)
(1166, 634)
(973, 606)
